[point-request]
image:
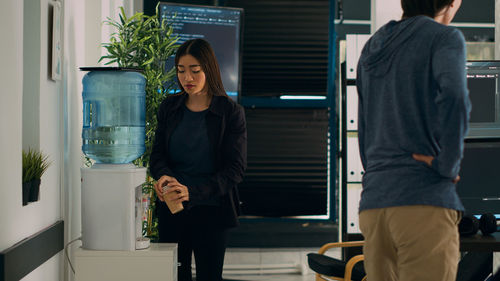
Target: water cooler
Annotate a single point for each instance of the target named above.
(114, 105)
(113, 135)
(111, 207)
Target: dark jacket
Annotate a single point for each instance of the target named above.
(413, 98)
(227, 134)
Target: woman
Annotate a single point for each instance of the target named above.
(198, 158)
(413, 115)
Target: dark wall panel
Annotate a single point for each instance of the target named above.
(354, 9)
(343, 29)
(285, 47)
(287, 163)
(480, 11)
(25, 256)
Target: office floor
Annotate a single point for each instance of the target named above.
(270, 277)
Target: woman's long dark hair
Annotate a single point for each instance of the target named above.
(428, 8)
(204, 54)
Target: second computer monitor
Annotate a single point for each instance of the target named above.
(220, 26)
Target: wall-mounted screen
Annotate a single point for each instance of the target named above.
(484, 89)
(220, 26)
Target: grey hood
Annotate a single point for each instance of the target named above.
(379, 51)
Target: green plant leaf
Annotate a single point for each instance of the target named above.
(122, 15)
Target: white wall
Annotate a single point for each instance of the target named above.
(17, 221)
(74, 56)
(55, 129)
(383, 11)
(11, 219)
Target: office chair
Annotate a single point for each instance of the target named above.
(328, 268)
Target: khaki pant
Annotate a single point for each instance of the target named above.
(410, 243)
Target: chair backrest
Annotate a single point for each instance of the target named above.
(335, 269)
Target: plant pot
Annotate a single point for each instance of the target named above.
(26, 192)
(34, 190)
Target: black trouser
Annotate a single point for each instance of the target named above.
(196, 230)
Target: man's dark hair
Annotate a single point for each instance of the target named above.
(429, 8)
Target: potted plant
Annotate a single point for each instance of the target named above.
(145, 42)
(35, 163)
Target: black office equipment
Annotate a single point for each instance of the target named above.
(479, 187)
(484, 90)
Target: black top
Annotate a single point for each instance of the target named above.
(227, 137)
(191, 154)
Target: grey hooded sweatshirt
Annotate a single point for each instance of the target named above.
(413, 98)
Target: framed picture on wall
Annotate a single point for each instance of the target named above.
(56, 41)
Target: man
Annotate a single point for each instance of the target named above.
(413, 115)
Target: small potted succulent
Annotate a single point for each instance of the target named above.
(35, 163)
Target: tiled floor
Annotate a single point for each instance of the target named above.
(270, 277)
(269, 264)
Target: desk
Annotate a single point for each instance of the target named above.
(478, 246)
(480, 243)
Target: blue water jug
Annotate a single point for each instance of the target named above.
(114, 105)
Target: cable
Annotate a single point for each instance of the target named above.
(66, 252)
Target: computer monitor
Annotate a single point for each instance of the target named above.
(479, 186)
(484, 89)
(220, 26)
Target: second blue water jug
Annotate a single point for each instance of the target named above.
(114, 105)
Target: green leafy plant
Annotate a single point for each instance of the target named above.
(145, 42)
(35, 163)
